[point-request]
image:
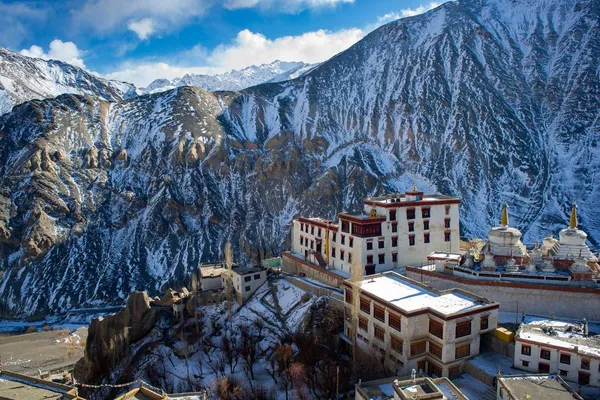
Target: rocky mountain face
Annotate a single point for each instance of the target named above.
(24, 78)
(489, 101)
(277, 71)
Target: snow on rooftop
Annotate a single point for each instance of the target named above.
(563, 333)
(410, 297)
(437, 255)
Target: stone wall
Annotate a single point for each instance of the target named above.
(297, 266)
(566, 301)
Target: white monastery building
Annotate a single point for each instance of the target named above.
(411, 326)
(393, 231)
(568, 348)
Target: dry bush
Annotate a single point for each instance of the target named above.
(46, 328)
(31, 329)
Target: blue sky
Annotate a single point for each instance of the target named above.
(141, 40)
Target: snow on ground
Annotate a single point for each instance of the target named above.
(470, 387)
(491, 361)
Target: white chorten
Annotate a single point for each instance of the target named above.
(572, 242)
(488, 263)
(505, 241)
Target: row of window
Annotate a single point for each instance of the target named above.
(411, 213)
(394, 320)
(462, 328)
(249, 278)
(564, 358)
(583, 377)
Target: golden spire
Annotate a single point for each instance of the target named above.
(504, 220)
(415, 187)
(573, 220)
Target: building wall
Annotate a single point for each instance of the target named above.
(211, 283)
(406, 254)
(569, 372)
(415, 329)
(247, 289)
(529, 298)
(298, 266)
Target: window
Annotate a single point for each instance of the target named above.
(301, 240)
(544, 368)
(342, 253)
(333, 252)
(381, 258)
(396, 344)
(526, 350)
(334, 237)
(447, 223)
(435, 370)
(365, 305)
(302, 227)
(394, 257)
(565, 358)
(363, 324)
(256, 276)
(410, 213)
(379, 334)
(379, 312)
(312, 244)
(435, 350)
(348, 296)
(447, 236)
(345, 226)
(436, 328)
(394, 227)
(525, 363)
(370, 245)
(417, 348)
(411, 240)
(426, 238)
(563, 372)
(394, 321)
(370, 259)
(426, 225)
(351, 241)
(349, 257)
(319, 232)
(381, 244)
(247, 278)
(585, 364)
(343, 239)
(312, 230)
(462, 351)
(545, 354)
(463, 329)
(425, 212)
(484, 323)
(395, 241)
(411, 226)
(447, 210)
(392, 215)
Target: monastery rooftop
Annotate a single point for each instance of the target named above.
(410, 296)
(563, 333)
(409, 197)
(538, 387)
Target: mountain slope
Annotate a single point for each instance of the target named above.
(276, 71)
(487, 102)
(24, 78)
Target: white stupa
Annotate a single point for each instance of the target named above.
(505, 241)
(572, 242)
(488, 263)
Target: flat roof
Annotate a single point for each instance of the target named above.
(538, 387)
(564, 333)
(439, 255)
(248, 270)
(402, 198)
(26, 388)
(409, 296)
(212, 270)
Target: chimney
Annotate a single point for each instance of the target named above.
(586, 328)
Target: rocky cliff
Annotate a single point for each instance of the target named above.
(487, 101)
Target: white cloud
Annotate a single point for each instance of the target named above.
(143, 28)
(246, 49)
(284, 5)
(59, 50)
(106, 16)
(409, 12)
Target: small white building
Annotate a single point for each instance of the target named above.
(568, 348)
(538, 386)
(393, 231)
(210, 276)
(412, 326)
(245, 281)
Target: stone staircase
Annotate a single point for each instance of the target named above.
(490, 394)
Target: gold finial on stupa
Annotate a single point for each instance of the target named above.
(504, 220)
(573, 220)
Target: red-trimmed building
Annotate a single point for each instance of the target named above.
(393, 231)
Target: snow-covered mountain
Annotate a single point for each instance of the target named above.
(236, 80)
(489, 101)
(25, 78)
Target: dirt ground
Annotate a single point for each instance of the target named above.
(46, 351)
